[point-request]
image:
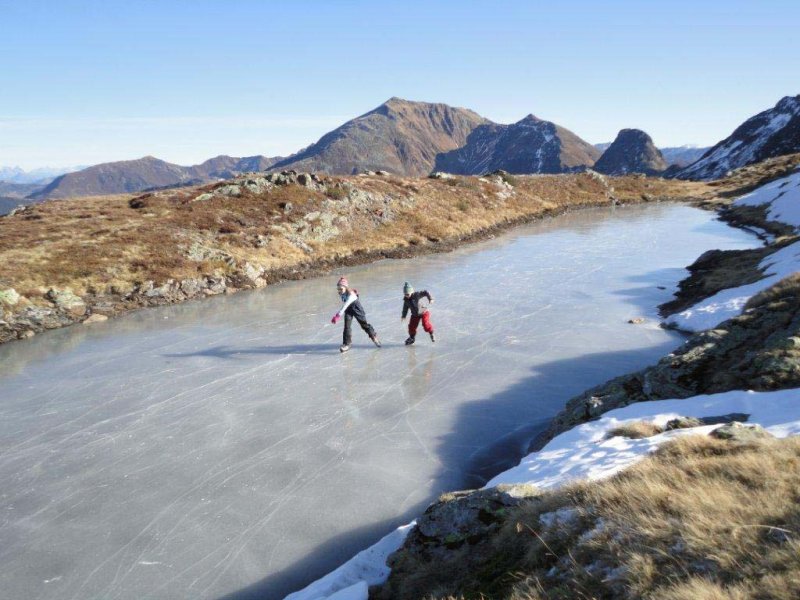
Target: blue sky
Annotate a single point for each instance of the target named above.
(88, 82)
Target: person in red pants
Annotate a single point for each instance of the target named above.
(417, 303)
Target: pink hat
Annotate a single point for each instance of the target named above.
(343, 282)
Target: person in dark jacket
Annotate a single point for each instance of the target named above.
(417, 304)
(351, 308)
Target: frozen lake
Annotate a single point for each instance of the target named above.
(225, 449)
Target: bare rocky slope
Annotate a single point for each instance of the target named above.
(399, 136)
(632, 151)
(531, 145)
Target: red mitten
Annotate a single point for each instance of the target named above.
(336, 318)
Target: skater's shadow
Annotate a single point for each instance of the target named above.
(232, 352)
(299, 349)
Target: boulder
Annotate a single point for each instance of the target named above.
(67, 302)
(454, 533)
(191, 287)
(169, 290)
(215, 285)
(460, 517)
(203, 197)
(231, 190)
(9, 297)
(741, 433)
(683, 423)
(251, 275)
(95, 318)
(38, 318)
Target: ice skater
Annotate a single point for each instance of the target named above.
(418, 305)
(352, 308)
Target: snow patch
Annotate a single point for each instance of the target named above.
(584, 452)
(352, 580)
(783, 198)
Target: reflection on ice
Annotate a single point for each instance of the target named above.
(226, 448)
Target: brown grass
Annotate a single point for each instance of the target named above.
(700, 519)
(787, 286)
(635, 430)
(100, 243)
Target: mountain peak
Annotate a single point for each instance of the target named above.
(789, 103)
(530, 119)
(400, 136)
(632, 151)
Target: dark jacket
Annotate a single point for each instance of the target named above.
(412, 303)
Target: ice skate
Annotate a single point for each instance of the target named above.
(344, 347)
(433, 337)
(410, 341)
(376, 341)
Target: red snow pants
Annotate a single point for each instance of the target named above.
(426, 323)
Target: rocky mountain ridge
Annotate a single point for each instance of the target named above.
(147, 173)
(415, 138)
(530, 145)
(399, 136)
(773, 132)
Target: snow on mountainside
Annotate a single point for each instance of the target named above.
(531, 145)
(773, 132)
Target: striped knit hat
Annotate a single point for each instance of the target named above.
(342, 282)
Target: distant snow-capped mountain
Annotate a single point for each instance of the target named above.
(43, 175)
(681, 156)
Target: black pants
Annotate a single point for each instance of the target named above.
(355, 310)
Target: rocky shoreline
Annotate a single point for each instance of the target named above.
(336, 209)
(758, 350)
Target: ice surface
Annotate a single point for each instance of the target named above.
(226, 449)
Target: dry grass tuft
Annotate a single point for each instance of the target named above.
(636, 430)
(700, 519)
(787, 287)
